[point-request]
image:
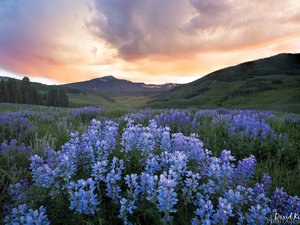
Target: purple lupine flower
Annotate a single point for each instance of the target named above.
(126, 207)
(244, 171)
(23, 215)
(204, 212)
(167, 197)
(223, 212)
(99, 168)
(151, 186)
(113, 190)
(191, 186)
(20, 191)
(133, 185)
(83, 199)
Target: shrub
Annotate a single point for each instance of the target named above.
(276, 81)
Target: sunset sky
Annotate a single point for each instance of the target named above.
(151, 41)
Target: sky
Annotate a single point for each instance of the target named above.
(151, 41)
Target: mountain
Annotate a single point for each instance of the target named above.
(110, 83)
(269, 83)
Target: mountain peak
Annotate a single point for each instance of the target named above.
(109, 77)
(106, 78)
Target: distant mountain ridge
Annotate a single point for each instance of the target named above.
(6, 78)
(110, 83)
(106, 84)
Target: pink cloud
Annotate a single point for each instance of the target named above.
(36, 35)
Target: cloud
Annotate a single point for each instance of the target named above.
(94, 50)
(138, 28)
(212, 7)
(42, 35)
(155, 29)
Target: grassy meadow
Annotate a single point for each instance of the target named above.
(96, 100)
(150, 166)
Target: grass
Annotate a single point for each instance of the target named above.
(129, 102)
(286, 100)
(132, 102)
(80, 100)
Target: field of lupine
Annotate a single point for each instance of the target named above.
(94, 166)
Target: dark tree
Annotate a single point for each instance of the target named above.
(52, 97)
(20, 97)
(13, 90)
(4, 95)
(63, 100)
(36, 97)
(44, 96)
(26, 91)
(55, 97)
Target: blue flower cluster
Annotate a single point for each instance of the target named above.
(176, 170)
(112, 178)
(182, 120)
(20, 191)
(126, 207)
(285, 204)
(81, 112)
(83, 199)
(23, 215)
(251, 127)
(12, 147)
(15, 127)
(47, 119)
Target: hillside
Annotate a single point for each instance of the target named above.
(269, 83)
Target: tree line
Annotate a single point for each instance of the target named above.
(24, 93)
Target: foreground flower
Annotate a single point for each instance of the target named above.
(23, 215)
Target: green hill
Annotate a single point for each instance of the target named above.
(269, 83)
